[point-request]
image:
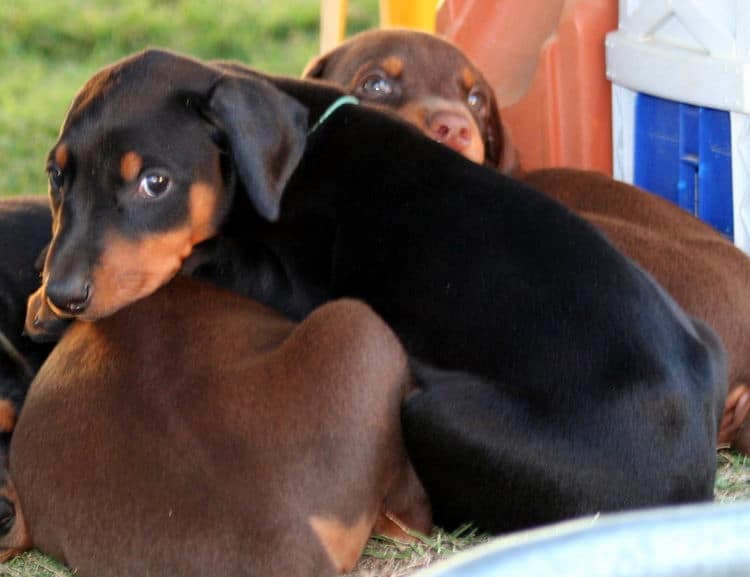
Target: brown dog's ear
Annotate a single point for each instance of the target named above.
(266, 132)
(315, 67)
(500, 151)
(509, 162)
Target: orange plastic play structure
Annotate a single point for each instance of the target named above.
(545, 60)
(417, 14)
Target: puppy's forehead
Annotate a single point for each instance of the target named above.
(411, 46)
(140, 104)
(412, 56)
(138, 85)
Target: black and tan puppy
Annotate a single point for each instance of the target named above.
(197, 433)
(25, 229)
(558, 378)
(699, 267)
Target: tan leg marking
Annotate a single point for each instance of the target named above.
(343, 544)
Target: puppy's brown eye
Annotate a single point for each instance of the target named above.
(377, 85)
(476, 100)
(154, 185)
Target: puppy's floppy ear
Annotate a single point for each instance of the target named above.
(500, 151)
(316, 67)
(266, 132)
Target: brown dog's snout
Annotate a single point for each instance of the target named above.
(450, 128)
(70, 294)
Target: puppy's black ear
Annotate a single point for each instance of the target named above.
(266, 132)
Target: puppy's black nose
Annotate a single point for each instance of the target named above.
(71, 295)
(7, 516)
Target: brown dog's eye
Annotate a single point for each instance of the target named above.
(154, 185)
(56, 177)
(377, 85)
(476, 100)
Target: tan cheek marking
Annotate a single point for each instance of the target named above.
(468, 78)
(393, 66)
(203, 206)
(61, 156)
(343, 544)
(130, 166)
(131, 270)
(416, 114)
(475, 152)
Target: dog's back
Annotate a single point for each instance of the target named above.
(571, 364)
(198, 433)
(707, 275)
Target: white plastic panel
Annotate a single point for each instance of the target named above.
(693, 51)
(623, 133)
(741, 179)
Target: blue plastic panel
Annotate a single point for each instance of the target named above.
(683, 153)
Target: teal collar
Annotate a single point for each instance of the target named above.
(338, 103)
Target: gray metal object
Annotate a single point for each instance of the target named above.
(709, 540)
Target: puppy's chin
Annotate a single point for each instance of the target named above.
(42, 324)
(475, 152)
(424, 115)
(123, 290)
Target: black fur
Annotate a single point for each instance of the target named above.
(25, 229)
(558, 379)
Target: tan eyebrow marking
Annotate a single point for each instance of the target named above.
(61, 156)
(393, 65)
(130, 165)
(468, 78)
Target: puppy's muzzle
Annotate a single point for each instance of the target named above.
(71, 295)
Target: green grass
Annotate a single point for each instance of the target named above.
(48, 48)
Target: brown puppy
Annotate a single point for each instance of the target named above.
(406, 71)
(704, 272)
(199, 433)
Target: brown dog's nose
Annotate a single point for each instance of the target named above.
(451, 129)
(70, 296)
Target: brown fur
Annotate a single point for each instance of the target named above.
(18, 538)
(422, 89)
(197, 433)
